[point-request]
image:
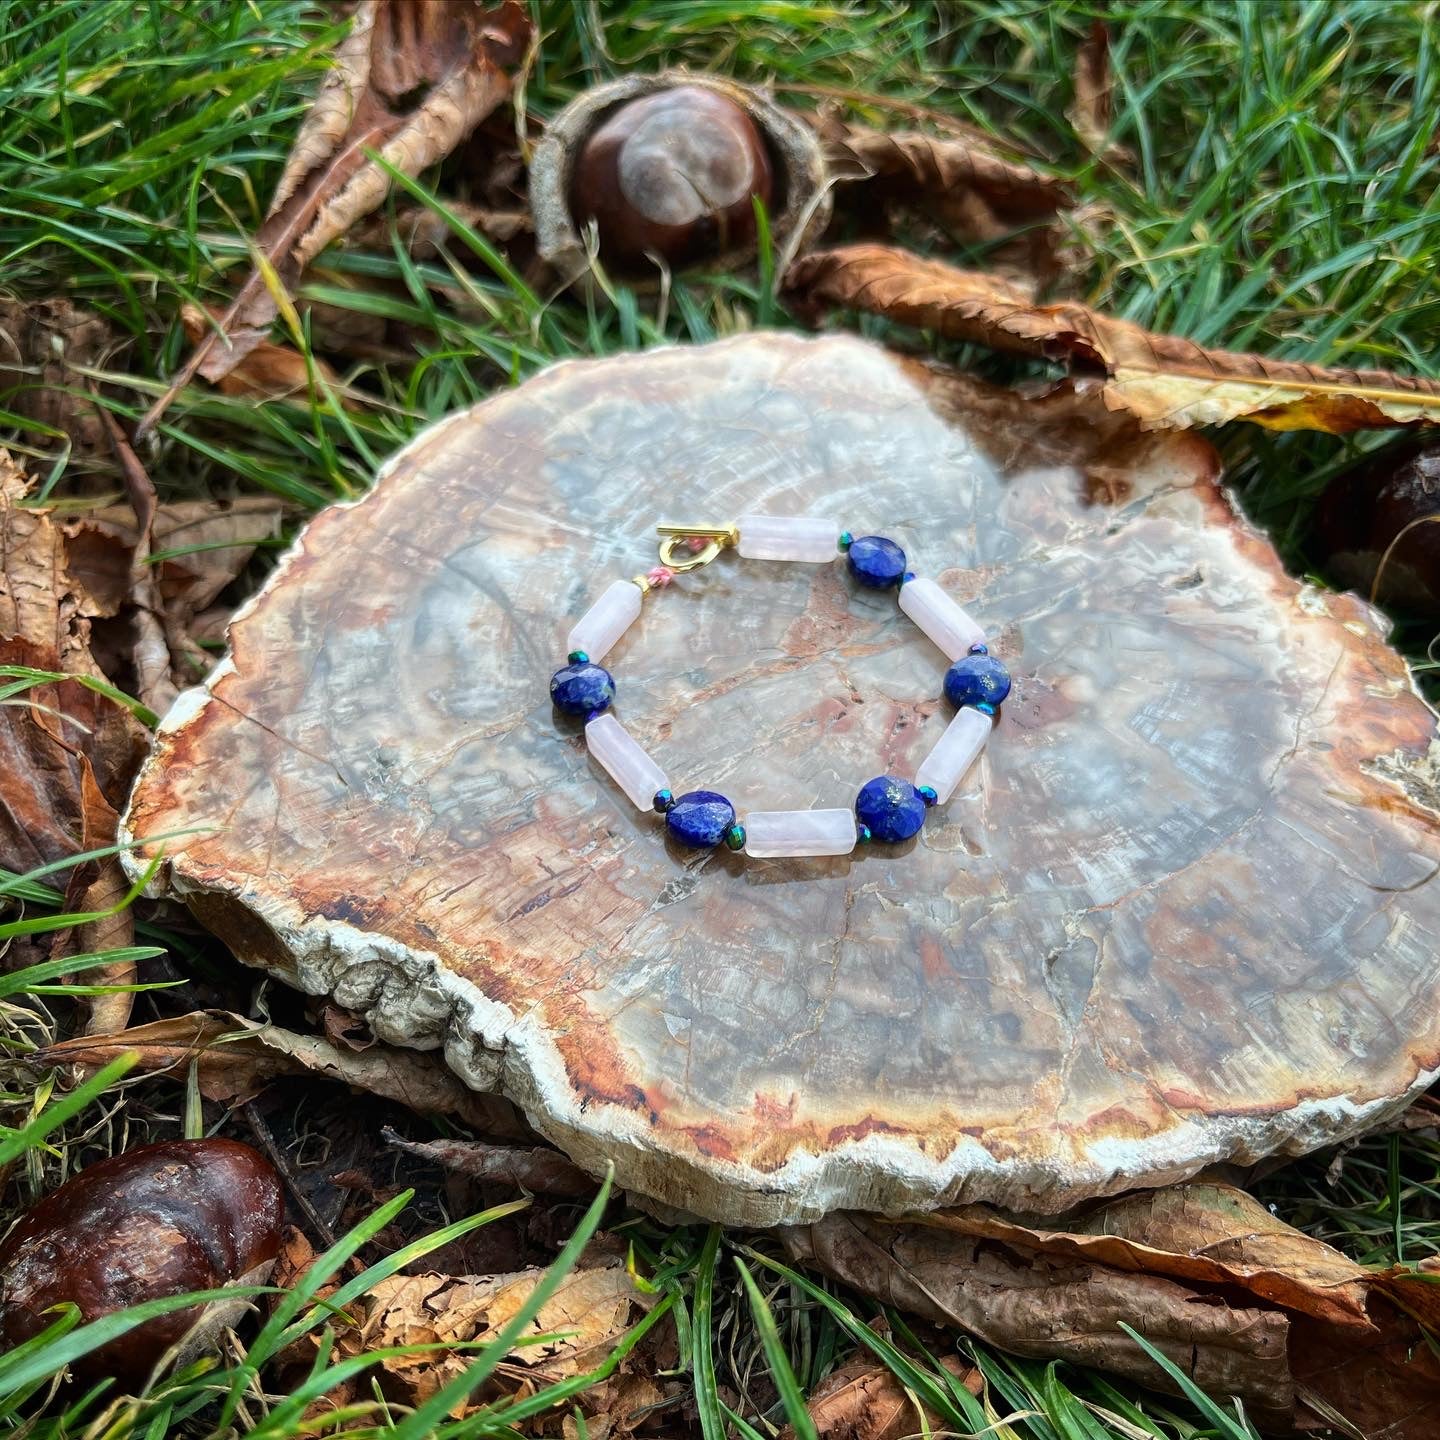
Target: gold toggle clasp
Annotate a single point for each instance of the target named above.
(721, 537)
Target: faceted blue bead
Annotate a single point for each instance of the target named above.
(875, 561)
(700, 818)
(583, 688)
(976, 680)
(893, 809)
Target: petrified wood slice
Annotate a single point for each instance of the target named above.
(1181, 912)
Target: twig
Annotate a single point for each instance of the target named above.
(266, 1137)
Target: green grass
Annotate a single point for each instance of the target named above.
(1282, 197)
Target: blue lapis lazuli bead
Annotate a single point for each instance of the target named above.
(976, 680)
(700, 818)
(892, 808)
(583, 688)
(875, 562)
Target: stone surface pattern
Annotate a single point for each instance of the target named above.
(1182, 910)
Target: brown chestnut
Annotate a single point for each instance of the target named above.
(672, 174)
(159, 1220)
(1377, 527)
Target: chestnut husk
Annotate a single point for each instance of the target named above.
(159, 1220)
(801, 204)
(673, 175)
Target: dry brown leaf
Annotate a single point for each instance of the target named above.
(1386, 1386)
(536, 1170)
(149, 648)
(1090, 113)
(1195, 1233)
(453, 52)
(94, 887)
(43, 346)
(588, 1312)
(864, 1401)
(1166, 381)
(423, 232)
(267, 370)
(1029, 1302)
(68, 754)
(236, 1058)
(977, 195)
(1245, 1304)
(213, 541)
(936, 169)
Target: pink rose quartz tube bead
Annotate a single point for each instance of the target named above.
(625, 760)
(772, 833)
(940, 617)
(955, 752)
(606, 620)
(787, 537)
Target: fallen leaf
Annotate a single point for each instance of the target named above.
(1164, 380)
(44, 344)
(150, 646)
(1245, 1304)
(236, 1058)
(456, 54)
(1385, 1386)
(863, 1400)
(196, 549)
(68, 753)
(979, 196)
(936, 169)
(1195, 1233)
(343, 1028)
(267, 370)
(424, 233)
(536, 1170)
(592, 1307)
(1090, 112)
(95, 887)
(451, 53)
(1028, 1301)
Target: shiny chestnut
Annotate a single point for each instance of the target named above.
(155, 1221)
(1377, 528)
(673, 174)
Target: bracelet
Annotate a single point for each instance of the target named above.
(886, 808)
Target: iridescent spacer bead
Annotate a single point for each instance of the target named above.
(927, 794)
(979, 649)
(862, 834)
(984, 707)
(846, 541)
(908, 576)
(735, 837)
(578, 657)
(664, 801)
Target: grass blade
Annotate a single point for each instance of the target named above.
(780, 1370)
(702, 1340)
(421, 1422)
(14, 1143)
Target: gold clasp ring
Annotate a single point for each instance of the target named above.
(721, 537)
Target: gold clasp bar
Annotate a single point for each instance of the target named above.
(721, 537)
